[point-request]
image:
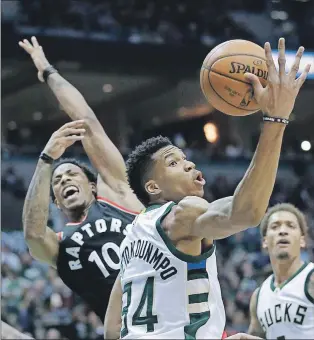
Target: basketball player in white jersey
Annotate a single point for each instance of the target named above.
(283, 306)
(168, 286)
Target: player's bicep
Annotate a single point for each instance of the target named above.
(45, 248)
(113, 321)
(255, 327)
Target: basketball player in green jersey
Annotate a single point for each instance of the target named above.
(283, 306)
(168, 288)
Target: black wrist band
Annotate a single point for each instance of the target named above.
(275, 120)
(46, 158)
(48, 71)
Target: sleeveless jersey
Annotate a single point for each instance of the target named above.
(167, 294)
(88, 259)
(287, 312)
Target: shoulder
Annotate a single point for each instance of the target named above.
(121, 193)
(105, 202)
(309, 285)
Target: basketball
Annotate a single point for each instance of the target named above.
(222, 76)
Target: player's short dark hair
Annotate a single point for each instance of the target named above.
(139, 164)
(90, 174)
(284, 207)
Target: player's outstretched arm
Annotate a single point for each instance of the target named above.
(103, 154)
(113, 322)
(251, 197)
(255, 327)
(41, 240)
(8, 332)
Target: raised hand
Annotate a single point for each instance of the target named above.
(278, 97)
(37, 54)
(61, 139)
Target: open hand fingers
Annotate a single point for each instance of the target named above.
(272, 72)
(73, 138)
(69, 140)
(300, 81)
(72, 132)
(73, 124)
(295, 67)
(34, 42)
(26, 46)
(281, 58)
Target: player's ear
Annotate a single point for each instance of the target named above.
(302, 242)
(93, 186)
(56, 203)
(264, 243)
(152, 188)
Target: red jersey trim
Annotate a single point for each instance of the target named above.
(60, 235)
(99, 198)
(77, 223)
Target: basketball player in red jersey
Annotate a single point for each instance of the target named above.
(86, 252)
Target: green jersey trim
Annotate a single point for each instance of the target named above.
(272, 281)
(306, 286)
(197, 320)
(177, 253)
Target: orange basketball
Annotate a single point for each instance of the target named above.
(222, 76)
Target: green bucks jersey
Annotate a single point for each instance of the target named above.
(166, 293)
(287, 312)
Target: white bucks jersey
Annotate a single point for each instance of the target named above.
(167, 294)
(287, 312)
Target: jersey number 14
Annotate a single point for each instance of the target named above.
(149, 319)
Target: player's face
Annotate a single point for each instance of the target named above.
(283, 238)
(71, 187)
(173, 176)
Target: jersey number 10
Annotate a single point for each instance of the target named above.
(94, 257)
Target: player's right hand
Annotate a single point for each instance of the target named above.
(278, 97)
(61, 139)
(37, 54)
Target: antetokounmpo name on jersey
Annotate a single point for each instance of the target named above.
(149, 253)
(282, 313)
(90, 230)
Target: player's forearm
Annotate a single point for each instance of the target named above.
(36, 205)
(251, 197)
(71, 100)
(103, 154)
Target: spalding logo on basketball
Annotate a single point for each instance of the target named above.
(222, 76)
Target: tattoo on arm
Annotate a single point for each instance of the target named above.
(36, 205)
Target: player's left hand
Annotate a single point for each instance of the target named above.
(37, 54)
(278, 97)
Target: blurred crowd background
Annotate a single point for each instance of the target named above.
(137, 63)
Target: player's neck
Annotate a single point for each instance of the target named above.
(77, 215)
(284, 269)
